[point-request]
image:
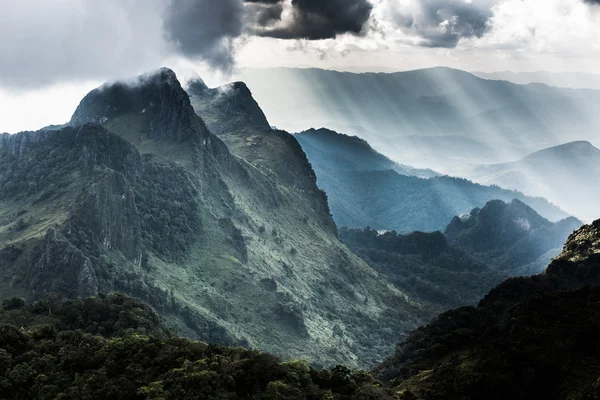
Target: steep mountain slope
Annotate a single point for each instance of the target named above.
(138, 196)
(530, 338)
(234, 116)
(511, 237)
(425, 266)
(568, 175)
(351, 153)
(431, 118)
(112, 347)
(386, 199)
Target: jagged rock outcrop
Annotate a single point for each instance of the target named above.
(157, 95)
(231, 112)
(234, 100)
(108, 208)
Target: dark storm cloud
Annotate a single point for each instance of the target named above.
(442, 23)
(597, 2)
(315, 19)
(263, 13)
(205, 29)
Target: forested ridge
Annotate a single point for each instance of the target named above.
(114, 347)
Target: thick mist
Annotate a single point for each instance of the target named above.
(454, 123)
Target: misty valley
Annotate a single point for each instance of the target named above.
(317, 200)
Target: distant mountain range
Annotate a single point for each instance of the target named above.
(568, 175)
(474, 254)
(351, 153)
(432, 118)
(573, 80)
(366, 189)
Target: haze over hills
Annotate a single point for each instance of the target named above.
(568, 175)
(573, 80)
(433, 118)
(352, 153)
(362, 195)
(230, 246)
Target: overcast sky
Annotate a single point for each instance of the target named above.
(53, 52)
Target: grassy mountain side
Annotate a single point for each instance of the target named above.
(529, 338)
(152, 204)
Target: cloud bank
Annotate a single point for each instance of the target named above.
(47, 42)
(442, 23)
(309, 19)
(44, 43)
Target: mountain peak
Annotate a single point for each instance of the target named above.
(329, 134)
(227, 108)
(566, 152)
(196, 86)
(155, 99)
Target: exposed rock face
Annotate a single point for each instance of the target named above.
(16, 145)
(529, 338)
(62, 268)
(158, 95)
(107, 206)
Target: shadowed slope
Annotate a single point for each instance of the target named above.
(529, 338)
